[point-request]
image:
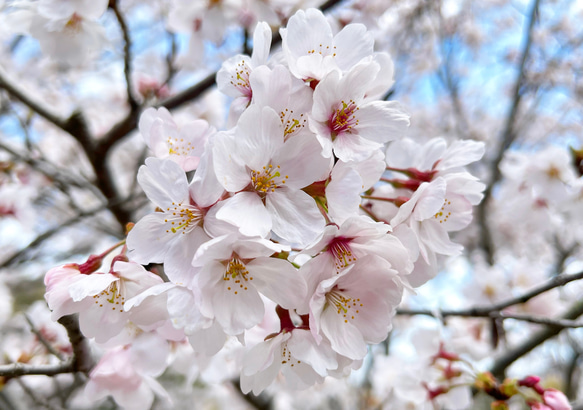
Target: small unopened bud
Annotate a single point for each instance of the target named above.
(485, 381)
(499, 405)
(92, 265)
(129, 227)
(509, 387)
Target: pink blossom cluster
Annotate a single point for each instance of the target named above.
(290, 207)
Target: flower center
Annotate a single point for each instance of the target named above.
(343, 118)
(239, 275)
(344, 304)
(267, 180)
(112, 295)
(291, 123)
(286, 357)
(177, 146)
(183, 218)
(340, 249)
(443, 214)
(241, 79)
(324, 51)
(74, 23)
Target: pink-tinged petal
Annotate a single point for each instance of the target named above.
(301, 162)
(163, 181)
(423, 271)
(278, 280)
(355, 82)
(260, 381)
(381, 121)
(353, 43)
(352, 147)
(184, 311)
(344, 337)
(229, 167)
(233, 76)
(90, 285)
(295, 215)
(270, 86)
(461, 153)
(381, 84)
(102, 323)
(155, 290)
(216, 249)
(455, 213)
(388, 247)
(326, 96)
(262, 355)
(465, 184)
(178, 261)
(148, 240)
(343, 194)
(431, 197)
(436, 238)
(246, 211)
(208, 341)
(370, 169)
(259, 135)
(205, 188)
(261, 44)
(149, 353)
(304, 348)
(237, 309)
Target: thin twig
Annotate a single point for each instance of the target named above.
(50, 348)
(127, 57)
(495, 309)
(511, 355)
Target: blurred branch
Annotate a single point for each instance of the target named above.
(511, 355)
(35, 106)
(42, 339)
(65, 178)
(130, 122)
(80, 362)
(47, 235)
(508, 135)
(127, 58)
(494, 311)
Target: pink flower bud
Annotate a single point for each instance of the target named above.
(556, 400)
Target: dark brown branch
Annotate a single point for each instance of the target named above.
(22, 369)
(127, 58)
(82, 359)
(35, 106)
(129, 123)
(508, 135)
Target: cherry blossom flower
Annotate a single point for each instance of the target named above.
(99, 298)
(266, 176)
(182, 145)
(312, 51)
(348, 124)
(295, 354)
(173, 235)
(356, 306)
(127, 373)
(234, 271)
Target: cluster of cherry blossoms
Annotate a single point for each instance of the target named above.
(283, 231)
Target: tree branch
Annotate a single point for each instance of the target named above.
(508, 135)
(510, 356)
(127, 58)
